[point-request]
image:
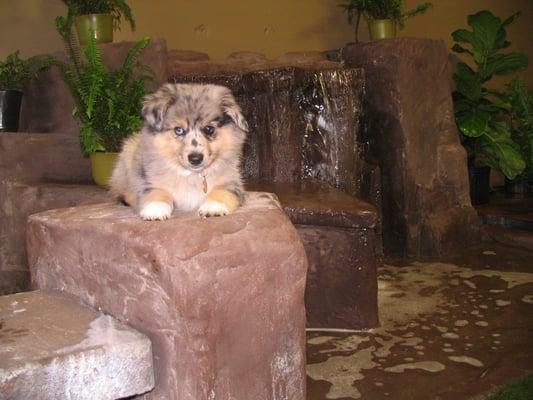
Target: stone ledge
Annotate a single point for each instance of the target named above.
(53, 348)
(222, 299)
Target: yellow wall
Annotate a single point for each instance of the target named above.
(272, 27)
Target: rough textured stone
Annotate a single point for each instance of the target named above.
(42, 157)
(341, 289)
(311, 202)
(222, 299)
(248, 57)
(301, 57)
(185, 56)
(53, 348)
(18, 201)
(47, 104)
(339, 235)
(410, 133)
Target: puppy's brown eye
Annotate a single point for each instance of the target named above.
(209, 130)
(179, 131)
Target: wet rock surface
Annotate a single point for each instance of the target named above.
(450, 330)
(222, 299)
(51, 347)
(409, 131)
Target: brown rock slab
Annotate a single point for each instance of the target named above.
(341, 290)
(249, 57)
(186, 56)
(42, 157)
(51, 347)
(411, 134)
(18, 200)
(222, 299)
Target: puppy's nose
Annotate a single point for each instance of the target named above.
(196, 158)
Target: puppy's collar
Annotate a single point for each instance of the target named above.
(204, 181)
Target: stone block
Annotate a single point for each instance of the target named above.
(341, 289)
(18, 201)
(36, 157)
(51, 347)
(222, 299)
(410, 132)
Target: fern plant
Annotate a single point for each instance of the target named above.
(108, 102)
(117, 8)
(380, 9)
(15, 72)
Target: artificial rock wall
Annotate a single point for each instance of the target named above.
(410, 132)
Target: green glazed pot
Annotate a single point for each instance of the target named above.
(382, 29)
(99, 26)
(102, 165)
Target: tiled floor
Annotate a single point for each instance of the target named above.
(453, 329)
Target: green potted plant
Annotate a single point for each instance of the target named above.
(383, 16)
(98, 18)
(108, 102)
(481, 112)
(15, 73)
(520, 120)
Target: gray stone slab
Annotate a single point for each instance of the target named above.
(51, 347)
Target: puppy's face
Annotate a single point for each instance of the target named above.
(194, 125)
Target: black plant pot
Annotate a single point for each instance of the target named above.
(10, 101)
(479, 184)
(519, 185)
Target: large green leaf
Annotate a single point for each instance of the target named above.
(473, 124)
(467, 82)
(486, 26)
(457, 48)
(503, 64)
(501, 151)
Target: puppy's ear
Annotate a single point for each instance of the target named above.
(155, 106)
(232, 109)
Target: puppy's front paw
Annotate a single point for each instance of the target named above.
(213, 208)
(156, 210)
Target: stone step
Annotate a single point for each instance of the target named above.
(51, 347)
(18, 200)
(222, 299)
(42, 157)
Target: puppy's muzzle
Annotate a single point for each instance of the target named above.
(195, 159)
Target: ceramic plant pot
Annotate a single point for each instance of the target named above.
(382, 29)
(102, 165)
(99, 26)
(10, 101)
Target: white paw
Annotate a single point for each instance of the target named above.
(212, 208)
(156, 210)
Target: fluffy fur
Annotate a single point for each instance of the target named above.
(186, 157)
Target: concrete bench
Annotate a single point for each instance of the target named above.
(222, 299)
(51, 347)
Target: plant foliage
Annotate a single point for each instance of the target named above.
(380, 9)
(15, 72)
(108, 102)
(481, 113)
(117, 8)
(521, 121)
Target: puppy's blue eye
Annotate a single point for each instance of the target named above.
(209, 130)
(179, 131)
